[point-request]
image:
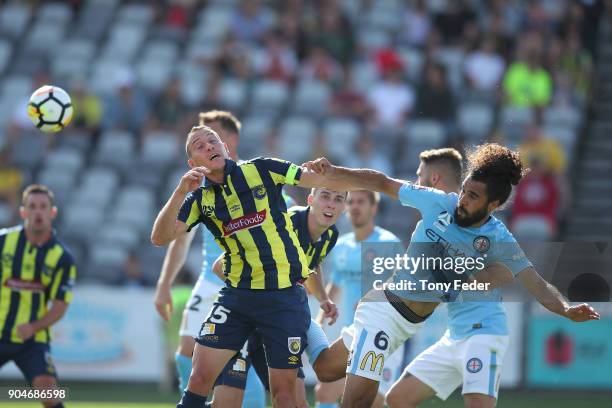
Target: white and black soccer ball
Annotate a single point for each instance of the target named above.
(50, 108)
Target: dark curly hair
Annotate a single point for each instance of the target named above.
(498, 167)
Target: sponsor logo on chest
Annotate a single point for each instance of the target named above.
(244, 222)
(29, 286)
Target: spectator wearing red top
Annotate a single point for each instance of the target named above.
(536, 205)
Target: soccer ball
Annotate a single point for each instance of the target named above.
(50, 108)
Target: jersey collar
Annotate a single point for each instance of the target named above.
(47, 244)
(230, 165)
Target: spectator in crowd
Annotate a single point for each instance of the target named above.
(278, 60)
(527, 83)
(321, 66)
(417, 24)
(537, 200)
(367, 156)
(546, 152)
(11, 179)
(132, 272)
(576, 65)
(177, 15)
(434, 97)
(348, 101)
(392, 99)
(452, 21)
(87, 107)
(126, 108)
(233, 59)
(251, 21)
(483, 67)
(334, 33)
(168, 109)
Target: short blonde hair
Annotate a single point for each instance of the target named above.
(449, 157)
(226, 119)
(37, 189)
(373, 196)
(192, 133)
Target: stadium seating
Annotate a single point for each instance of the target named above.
(106, 43)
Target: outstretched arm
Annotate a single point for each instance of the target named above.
(551, 299)
(495, 274)
(321, 173)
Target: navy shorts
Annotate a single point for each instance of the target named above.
(234, 373)
(32, 358)
(257, 355)
(281, 316)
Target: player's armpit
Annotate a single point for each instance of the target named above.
(217, 267)
(496, 274)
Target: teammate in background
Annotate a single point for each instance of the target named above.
(345, 284)
(241, 204)
(36, 269)
(250, 390)
(465, 222)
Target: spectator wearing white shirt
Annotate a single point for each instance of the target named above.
(484, 68)
(392, 99)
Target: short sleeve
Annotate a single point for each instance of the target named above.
(510, 254)
(190, 212)
(421, 198)
(281, 171)
(64, 279)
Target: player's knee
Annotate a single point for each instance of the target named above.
(395, 399)
(199, 381)
(322, 392)
(185, 347)
(228, 399)
(358, 400)
(283, 398)
(325, 372)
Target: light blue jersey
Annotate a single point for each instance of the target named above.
(437, 235)
(347, 269)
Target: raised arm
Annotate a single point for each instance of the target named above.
(166, 227)
(551, 299)
(321, 173)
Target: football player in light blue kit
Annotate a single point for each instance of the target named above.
(345, 282)
(205, 292)
(460, 227)
(472, 350)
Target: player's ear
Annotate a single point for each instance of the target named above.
(492, 206)
(310, 199)
(191, 163)
(227, 155)
(23, 213)
(53, 212)
(435, 178)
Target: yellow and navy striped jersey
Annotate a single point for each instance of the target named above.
(31, 277)
(248, 217)
(315, 251)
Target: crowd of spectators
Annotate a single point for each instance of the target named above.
(382, 68)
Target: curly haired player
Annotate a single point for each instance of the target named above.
(462, 226)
